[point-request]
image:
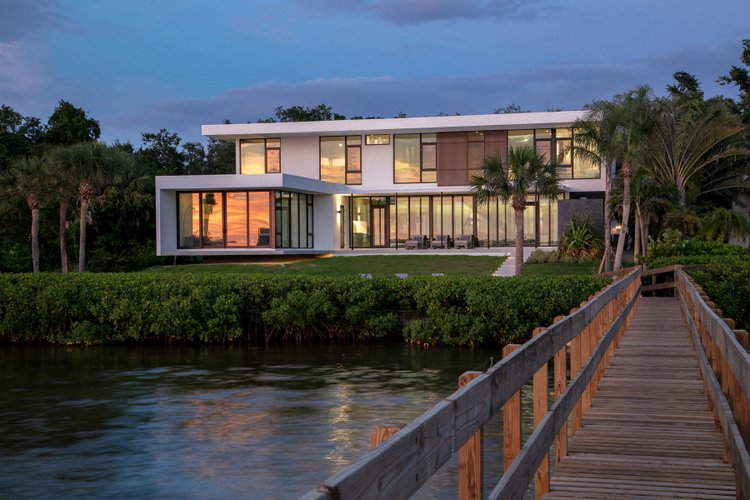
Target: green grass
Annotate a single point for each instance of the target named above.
(559, 268)
(377, 265)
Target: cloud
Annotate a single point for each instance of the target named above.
(564, 86)
(21, 19)
(423, 11)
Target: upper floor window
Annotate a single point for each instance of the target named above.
(341, 159)
(260, 156)
(377, 139)
(414, 158)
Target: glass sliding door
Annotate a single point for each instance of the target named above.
(212, 219)
(237, 229)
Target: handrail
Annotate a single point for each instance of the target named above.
(403, 463)
(720, 354)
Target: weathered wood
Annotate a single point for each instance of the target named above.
(560, 369)
(470, 467)
(381, 433)
(511, 420)
(723, 412)
(516, 479)
(658, 286)
(743, 338)
(541, 389)
(646, 434)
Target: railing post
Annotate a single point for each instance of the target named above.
(541, 478)
(561, 370)
(575, 366)
(511, 421)
(470, 467)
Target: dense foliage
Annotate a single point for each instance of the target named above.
(103, 308)
(672, 248)
(728, 285)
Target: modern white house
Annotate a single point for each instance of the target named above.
(320, 187)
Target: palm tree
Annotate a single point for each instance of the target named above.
(694, 143)
(721, 224)
(616, 131)
(524, 172)
(650, 198)
(27, 179)
(93, 166)
(63, 186)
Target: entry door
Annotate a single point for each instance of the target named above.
(379, 226)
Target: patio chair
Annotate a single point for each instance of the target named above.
(439, 241)
(464, 241)
(414, 242)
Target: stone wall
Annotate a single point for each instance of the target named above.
(591, 208)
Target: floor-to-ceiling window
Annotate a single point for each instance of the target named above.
(242, 219)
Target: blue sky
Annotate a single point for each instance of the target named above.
(140, 65)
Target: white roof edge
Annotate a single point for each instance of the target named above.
(546, 119)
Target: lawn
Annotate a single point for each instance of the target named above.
(559, 268)
(377, 265)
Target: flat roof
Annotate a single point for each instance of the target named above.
(549, 119)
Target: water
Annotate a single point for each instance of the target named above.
(213, 422)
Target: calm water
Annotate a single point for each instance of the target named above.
(212, 422)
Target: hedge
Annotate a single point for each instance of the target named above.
(728, 285)
(112, 307)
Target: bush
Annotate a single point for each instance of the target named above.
(579, 242)
(672, 248)
(94, 308)
(728, 284)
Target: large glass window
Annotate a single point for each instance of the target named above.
(212, 220)
(341, 159)
(293, 220)
(260, 156)
(237, 228)
(414, 158)
(224, 219)
(563, 154)
(361, 223)
(189, 233)
(520, 138)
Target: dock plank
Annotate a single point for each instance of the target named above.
(649, 432)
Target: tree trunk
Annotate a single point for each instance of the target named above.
(35, 239)
(644, 235)
(607, 222)
(63, 247)
(82, 235)
(627, 174)
(637, 242)
(519, 208)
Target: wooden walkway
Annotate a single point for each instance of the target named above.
(649, 432)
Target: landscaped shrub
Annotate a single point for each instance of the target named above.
(579, 242)
(100, 308)
(671, 247)
(728, 285)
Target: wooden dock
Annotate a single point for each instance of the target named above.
(649, 432)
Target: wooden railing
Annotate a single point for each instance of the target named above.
(725, 366)
(399, 466)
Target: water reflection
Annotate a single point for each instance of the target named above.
(209, 422)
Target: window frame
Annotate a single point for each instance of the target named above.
(386, 143)
(422, 169)
(266, 149)
(349, 144)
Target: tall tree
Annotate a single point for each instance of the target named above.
(321, 112)
(69, 125)
(694, 143)
(740, 76)
(524, 172)
(27, 180)
(19, 135)
(162, 149)
(616, 130)
(94, 166)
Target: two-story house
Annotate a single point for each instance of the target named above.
(318, 187)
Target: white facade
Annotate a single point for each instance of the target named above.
(330, 227)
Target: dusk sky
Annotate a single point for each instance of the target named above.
(140, 65)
